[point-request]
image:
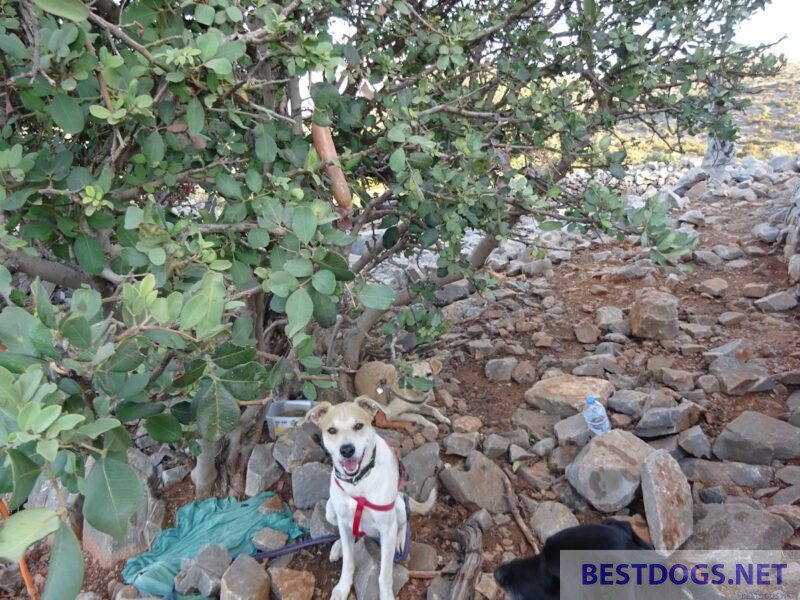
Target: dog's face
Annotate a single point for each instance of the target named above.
(426, 368)
(347, 431)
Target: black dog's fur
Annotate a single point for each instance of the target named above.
(537, 577)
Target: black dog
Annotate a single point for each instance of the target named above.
(539, 577)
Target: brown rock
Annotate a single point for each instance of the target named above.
(288, 584)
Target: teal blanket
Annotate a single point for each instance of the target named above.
(225, 522)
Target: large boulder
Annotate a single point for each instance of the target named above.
(667, 501)
(479, 485)
(607, 471)
(655, 316)
(737, 527)
(565, 395)
(758, 439)
(550, 518)
(662, 421)
(421, 464)
(713, 473)
(737, 378)
(245, 579)
(310, 484)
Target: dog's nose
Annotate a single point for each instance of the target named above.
(347, 450)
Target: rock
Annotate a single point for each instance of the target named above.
(537, 476)
(461, 444)
(740, 349)
(495, 445)
(518, 453)
(538, 425)
(727, 252)
(245, 579)
(628, 402)
(524, 372)
(272, 505)
(667, 501)
(755, 290)
(794, 268)
(544, 447)
(467, 424)
(695, 442)
(783, 164)
(480, 485)
(766, 233)
(668, 444)
(713, 495)
(11, 583)
(550, 518)
(706, 257)
(481, 348)
(606, 471)
(665, 421)
(143, 528)
(487, 588)
(296, 447)
(500, 369)
(789, 475)
(573, 430)
(288, 584)
(421, 464)
(737, 378)
(453, 292)
(368, 564)
(587, 332)
(788, 496)
(791, 514)
(758, 439)
(731, 318)
(715, 286)
(319, 525)
(174, 476)
(612, 319)
(270, 539)
(695, 217)
(777, 302)
(310, 484)
(439, 589)
(726, 473)
(263, 471)
(423, 557)
(737, 526)
(681, 381)
(655, 316)
(204, 572)
(565, 395)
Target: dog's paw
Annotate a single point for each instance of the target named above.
(336, 551)
(340, 592)
(445, 420)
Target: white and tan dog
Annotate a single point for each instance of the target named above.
(366, 474)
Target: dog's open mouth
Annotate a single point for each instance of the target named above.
(351, 465)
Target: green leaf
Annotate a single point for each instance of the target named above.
(98, 427)
(216, 409)
(195, 116)
(377, 296)
(73, 10)
(325, 310)
(163, 428)
(67, 114)
(132, 410)
(550, 226)
(338, 266)
(204, 14)
(309, 390)
(281, 283)
(192, 372)
(221, 66)
(23, 529)
(204, 309)
(153, 148)
(398, 133)
(229, 355)
(76, 329)
(324, 282)
(65, 570)
(258, 238)
(157, 256)
(44, 310)
(89, 254)
(5, 280)
(244, 381)
(113, 494)
(266, 149)
(397, 161)
(299, 309)
(45, 418)
(254, 181)
(228, 186)
(304, 224)
(299, 267)
(47, 449)
(24, 473)
(99, 111)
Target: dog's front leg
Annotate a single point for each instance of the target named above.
(432, 411)
(342, 589)
(388, 547)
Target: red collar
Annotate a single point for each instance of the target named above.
(362, 502)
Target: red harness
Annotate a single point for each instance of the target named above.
(362, 502)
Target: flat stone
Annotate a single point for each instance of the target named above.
(524, 372)
(755, 290)
(538, 425)
(319, 525)
(565, 395)
(245, 579)
(421, 465)
(737, 378)
(544, 447)
(788, 496)
(537, 476)
(550, 518)
(789, 475)
(737, 526)
(587, 332)
(607, 471)
(296, 447)
(479, 485)
(461, 444)
(706, 257)
(310, 484)
(681, 381)
(367, 559)
(655, 316)
(423, 557)
(777, 302)
(480, 349)
(727, 252)
(668, 444)
(439, 589)
(263, 471)
(716, 286)
(452, 292)
(731, 318)
(203, 573)
(726, 473)
(765, 232)
(573, 430)
(495, 446)
(713, 495)
(500, 369)
(791, 514)
(758, 439)
(695, 217)
(667, 501)
(695, 442)
(467, 424)
(270, 539)
(518, 453)
(665, 421)
(628, 402)
(288, 584)
(740, 349)
(708, 383)
(612, 319)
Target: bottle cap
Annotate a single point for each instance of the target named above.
(591, 400)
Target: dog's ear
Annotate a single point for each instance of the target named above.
(369, 405)
(315, 414)
(436, 366)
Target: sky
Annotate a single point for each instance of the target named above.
(780, 18)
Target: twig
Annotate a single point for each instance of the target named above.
(423, 574)
(513, 501)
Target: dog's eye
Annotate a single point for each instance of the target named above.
(358, 427)
(332, 430)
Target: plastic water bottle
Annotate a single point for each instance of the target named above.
(596, 417)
